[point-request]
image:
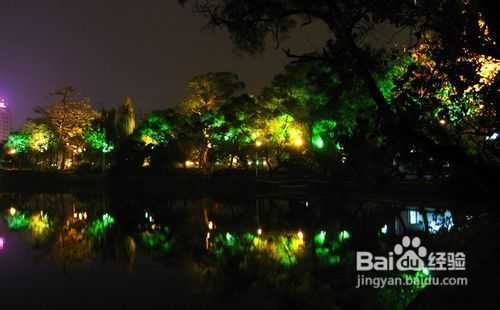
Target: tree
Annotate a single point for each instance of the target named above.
(41, 136)
(233, 140)
(69, 117)
(460, 49)
(125, 120)
(251, 23)
(207, 93)
(156, 129)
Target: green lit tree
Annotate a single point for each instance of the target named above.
(207, 93)
(156, 129)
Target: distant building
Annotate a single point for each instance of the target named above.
(5, 119)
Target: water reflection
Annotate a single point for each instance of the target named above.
(268, 241)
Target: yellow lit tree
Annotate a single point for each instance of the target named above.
(69, 117)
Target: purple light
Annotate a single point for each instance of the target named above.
(2, 242)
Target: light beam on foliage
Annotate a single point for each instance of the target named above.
(17, 143)
(97, 140)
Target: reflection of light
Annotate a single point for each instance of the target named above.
(12, 211)
(426, 271)
(440, 221)
(207, 241)
(344, 235)
(2, 243)
(384, 229)
(494, 136)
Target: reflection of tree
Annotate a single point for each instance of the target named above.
(72, 247)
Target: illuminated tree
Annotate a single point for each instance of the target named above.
(97, 140)
(69, 117)
(125, 120)
(207, 93)
(233, 141)
(41, 137)
(17, 143)
(155, 130)
(209, 90)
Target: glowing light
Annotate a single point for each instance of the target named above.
(189, 164)
(2, 243)
(99, 227)
(39, 225)
(158, 240)
(318, 142)
(207, 241)
(258, 143)
(384, 229)
(323, 129)
(494, 136)
(300, 234)
(259, 231)
(442, 122)
(211, 225)
(320, 238)
(18, 221)
(344, 235)
(231, 241)
(298, 142)
(12, 211)
(148, 140)
(426, 271)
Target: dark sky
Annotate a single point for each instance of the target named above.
(110, 49)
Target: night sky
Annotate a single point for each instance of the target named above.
(110, 49)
